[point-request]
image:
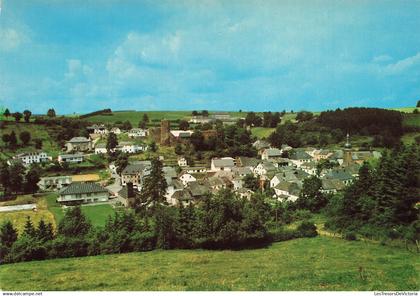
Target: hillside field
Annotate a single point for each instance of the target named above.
(154, 116)
(36, 131)
(303, 264)
(50, 211)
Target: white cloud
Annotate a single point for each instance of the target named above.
(382, 58)
(11, 39)
(403, 65)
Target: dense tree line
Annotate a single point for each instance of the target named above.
(230, 141)
(383, 199)
(304, 133)
(16, 179)
(99, 112)
(364, 121)
(268, 119)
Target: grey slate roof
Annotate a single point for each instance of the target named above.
(339, 174)
(273, 152)
(248, 161)
(198, 189)
(290, 187)
(182, 195)
(81, 188)
(260, 144)
(79, 140)
(218, 162)
(299, 154)
(332, 184)
(133, 169)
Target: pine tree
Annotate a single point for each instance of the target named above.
(31, 179)
(111, 143)
(154, 187)
(44, 231)
(29, 229)
(16, 177)
(74, 223)
(8, 234)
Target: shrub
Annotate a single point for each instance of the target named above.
(283, 235)
(307, 229)
(350, 235)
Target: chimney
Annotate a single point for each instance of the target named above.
(130, 191)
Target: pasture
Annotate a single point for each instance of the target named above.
(307, 264)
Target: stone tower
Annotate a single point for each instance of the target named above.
(347, 157)
(165, 138)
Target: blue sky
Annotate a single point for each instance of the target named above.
(84, 55)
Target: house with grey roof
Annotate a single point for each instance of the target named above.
(71, 158)
(332, 185)
(298, 157)
(271, 153)
(340, 174)
(309, 167)
(80, 193)
(198, 189)
(54, 182)
(79, 144)
(265, 168)
(134, 173)
(220, 164)
(290, 190)
(260, 145)
(249, 162)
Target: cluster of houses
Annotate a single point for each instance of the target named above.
(281, 170)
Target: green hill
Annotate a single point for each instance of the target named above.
(320, 263)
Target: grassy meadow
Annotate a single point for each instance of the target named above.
(319, 263)
(49, 210)
(36, 131)
(262, 132)
(18, 218)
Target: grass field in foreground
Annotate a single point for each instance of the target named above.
(303, 264)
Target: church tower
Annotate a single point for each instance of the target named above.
(347, 157)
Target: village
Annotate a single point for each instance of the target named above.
(278, 172)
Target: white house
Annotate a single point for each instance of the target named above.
(287, 190)
(138, 132)
(79, 144)
(224, 163)
(185, 178)
(237, 183)
(77, 193)
(270, 153)
(99, 129)
(200, 119)
(264, 168)
(194, 170)
(116, 130)
(298, 157)
(100, 149)
(70, 158)
(131, 148)
(180, 134)
(309, 167)
(32, 157)
(182, 162)
(55, 182)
